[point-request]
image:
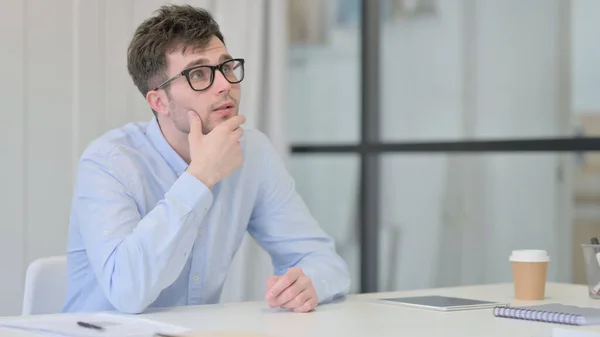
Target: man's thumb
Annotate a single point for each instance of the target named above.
(195, 122)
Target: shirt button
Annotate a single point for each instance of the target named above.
(105, 233)
(200, 232)
(196, 278)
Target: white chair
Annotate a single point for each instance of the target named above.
(45, 286)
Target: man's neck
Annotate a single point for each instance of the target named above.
(176, 139)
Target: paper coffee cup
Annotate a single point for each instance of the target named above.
(530, 269)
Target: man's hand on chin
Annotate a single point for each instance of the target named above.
(293, 291)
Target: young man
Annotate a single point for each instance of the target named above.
(160, 208)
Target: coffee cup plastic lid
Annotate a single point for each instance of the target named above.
(529, 255)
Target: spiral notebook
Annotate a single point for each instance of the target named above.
(552, 313)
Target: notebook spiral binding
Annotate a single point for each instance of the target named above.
(537, 315)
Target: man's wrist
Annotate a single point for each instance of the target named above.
(190, 192)
(201, 175)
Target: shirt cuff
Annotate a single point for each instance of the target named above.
(322, 287)
(192, 194)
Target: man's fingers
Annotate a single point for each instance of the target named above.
(195, 123)
(237, 134)
(295, 301)
(271, 281)
(282, 283)
(309, 305)
(233, 122)
(293, 291)
(290, 294)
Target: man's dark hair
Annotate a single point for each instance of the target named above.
(173, 27)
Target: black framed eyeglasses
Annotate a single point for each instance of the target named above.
(202, 77)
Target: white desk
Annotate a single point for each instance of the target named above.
(358, 315)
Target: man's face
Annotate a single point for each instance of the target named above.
(214, 105)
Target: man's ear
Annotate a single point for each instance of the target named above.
(157, 99)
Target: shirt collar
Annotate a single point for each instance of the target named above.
(177, 164)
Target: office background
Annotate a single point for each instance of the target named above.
(412, 213)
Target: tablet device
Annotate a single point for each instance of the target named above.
(442, 303)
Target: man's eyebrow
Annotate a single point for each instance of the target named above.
(225, 57)
(196, 62)
(203, 61)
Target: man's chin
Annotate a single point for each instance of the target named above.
(222, 118)
(219, 119)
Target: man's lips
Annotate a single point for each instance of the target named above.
(224, 106)
(224, 109)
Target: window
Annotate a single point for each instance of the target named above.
(433, 137)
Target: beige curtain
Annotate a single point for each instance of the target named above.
(257, 31)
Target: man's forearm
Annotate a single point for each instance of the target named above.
(133, 268)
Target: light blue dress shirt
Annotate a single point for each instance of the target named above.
(145, 233)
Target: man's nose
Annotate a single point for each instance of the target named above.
(221, 84)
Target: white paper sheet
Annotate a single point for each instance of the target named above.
(113, 325)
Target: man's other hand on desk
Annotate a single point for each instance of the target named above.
(293, 291)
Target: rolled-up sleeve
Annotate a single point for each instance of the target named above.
(133, 257)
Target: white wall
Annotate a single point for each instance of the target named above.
(65, 82)
(13, 142)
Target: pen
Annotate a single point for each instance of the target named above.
(90, 326)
